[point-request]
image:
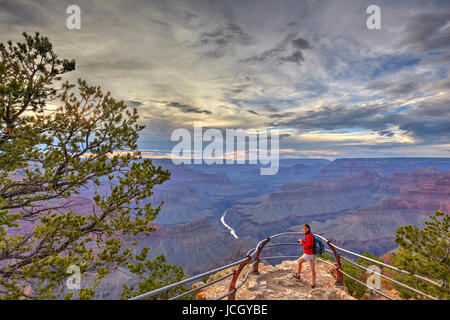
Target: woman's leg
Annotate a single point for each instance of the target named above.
(299, 266)
(312, 263)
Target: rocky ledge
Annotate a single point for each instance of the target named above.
(277, 283)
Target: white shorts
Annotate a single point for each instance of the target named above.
(308, 257)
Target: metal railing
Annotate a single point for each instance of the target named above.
(253, 258)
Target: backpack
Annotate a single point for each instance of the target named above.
(318, 247)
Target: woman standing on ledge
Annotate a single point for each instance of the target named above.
(308, 255)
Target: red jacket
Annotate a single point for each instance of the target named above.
(308, 243)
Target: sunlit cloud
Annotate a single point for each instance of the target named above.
(354, 138)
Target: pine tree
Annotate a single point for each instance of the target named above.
(424, 252)
(57, 138)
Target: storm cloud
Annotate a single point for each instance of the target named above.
(309, 68)
(428, 32)
(187, 108)
(222, 39)
(287, 50)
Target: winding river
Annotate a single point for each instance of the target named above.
(222, 219)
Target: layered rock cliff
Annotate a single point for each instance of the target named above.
(360, 209)
(382, 166)
(197, 246)
(373, 228)
(296, 203)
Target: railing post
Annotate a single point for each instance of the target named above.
(339, 265)
(258, 252)
(236, 273)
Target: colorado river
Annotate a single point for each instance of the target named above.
(233, 233)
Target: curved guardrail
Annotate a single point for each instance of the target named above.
(253, 258)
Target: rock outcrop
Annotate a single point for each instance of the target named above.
(277, 283)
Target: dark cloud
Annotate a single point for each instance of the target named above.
(429, 121)
(436, 129)
(187, 108)
(266, 55)
(282, 115)
(378, 85)
(301, 43)
(221, 38)
(443, 84)
(288, 50)
(296, 57)
(134, 103)
(253, 112)
(188, 19)
(336, 117)
(237, 88)
(437, 58)
(269, 108)
(426, 122)
(27, 13)
(403, 86)
(113, 63)
(426, 32)
(386, 133)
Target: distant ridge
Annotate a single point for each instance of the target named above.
(383, 166)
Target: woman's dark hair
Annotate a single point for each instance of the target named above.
(307, 225)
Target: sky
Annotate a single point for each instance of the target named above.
(311, 69)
